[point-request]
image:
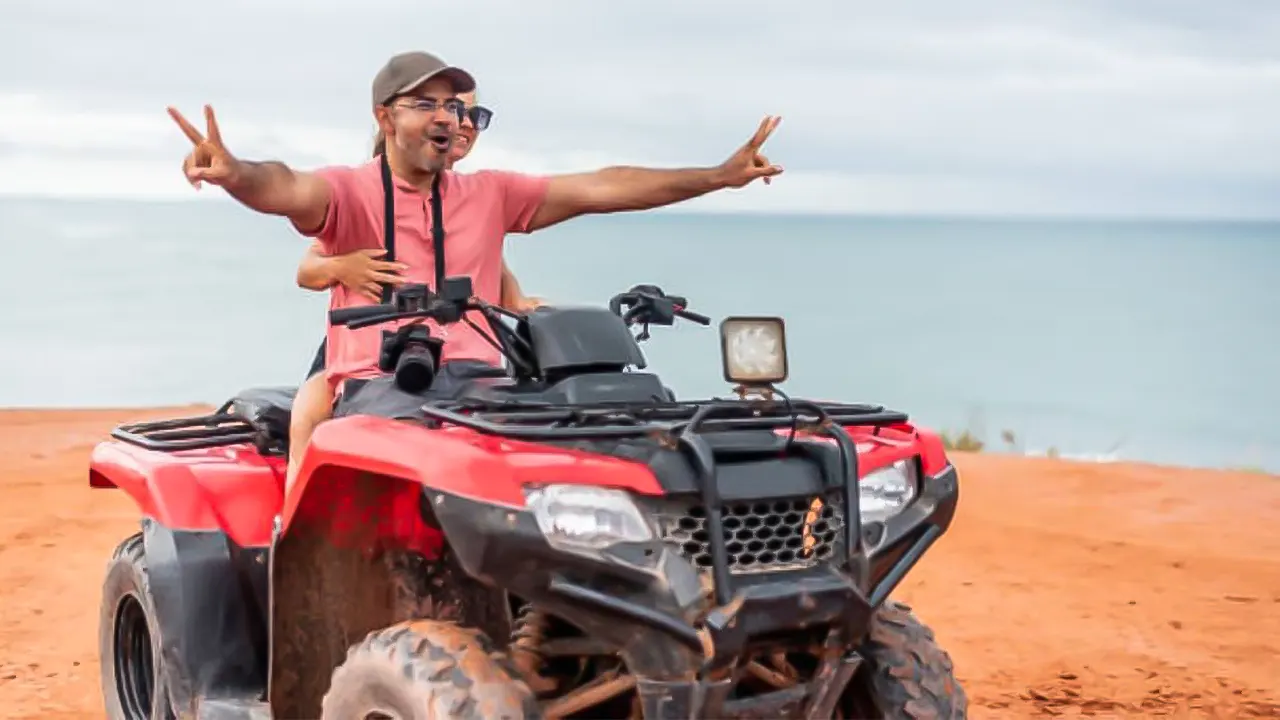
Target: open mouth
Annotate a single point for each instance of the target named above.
(440, 141)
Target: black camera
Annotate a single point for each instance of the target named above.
(413, 355)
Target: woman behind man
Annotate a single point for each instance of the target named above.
(362, 271)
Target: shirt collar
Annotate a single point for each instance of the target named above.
(404, 186)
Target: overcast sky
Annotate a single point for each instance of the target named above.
(1164, 107)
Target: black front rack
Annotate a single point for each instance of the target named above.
(687, 425)
(530, 421)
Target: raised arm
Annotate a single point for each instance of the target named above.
(275, 189)
(617, 189)
(268, 187)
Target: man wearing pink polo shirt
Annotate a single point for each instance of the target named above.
(417, 110)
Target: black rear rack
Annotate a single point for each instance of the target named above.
(218, 429)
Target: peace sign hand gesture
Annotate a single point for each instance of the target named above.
(747, 163)
(209, 161)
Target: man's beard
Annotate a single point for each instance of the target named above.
(423, 157)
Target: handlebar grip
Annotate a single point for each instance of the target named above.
(693, 316)
(342, 316)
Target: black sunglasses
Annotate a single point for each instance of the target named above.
(480, 116)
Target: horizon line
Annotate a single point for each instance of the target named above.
(984, 216)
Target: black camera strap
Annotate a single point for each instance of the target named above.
(389, 226)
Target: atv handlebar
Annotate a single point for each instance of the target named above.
(646, 305)
(650, 305)
(414, 301)
(442, 311)
(343, 316)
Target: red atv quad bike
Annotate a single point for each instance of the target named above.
(559, 538)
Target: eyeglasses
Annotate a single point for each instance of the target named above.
(480, 116)
(429, 105)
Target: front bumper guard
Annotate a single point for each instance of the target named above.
(829, 598)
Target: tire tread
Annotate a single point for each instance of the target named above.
(437, 669)
(911, 676)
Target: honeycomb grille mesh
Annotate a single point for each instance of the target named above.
(760, 535)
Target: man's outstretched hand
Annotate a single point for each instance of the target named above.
(747, 163)
(209, 161)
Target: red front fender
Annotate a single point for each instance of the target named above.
(453, 460)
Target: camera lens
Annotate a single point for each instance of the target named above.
(415, 370)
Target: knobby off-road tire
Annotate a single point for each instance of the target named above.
(908, 676)
(427, 670)
(129, 640)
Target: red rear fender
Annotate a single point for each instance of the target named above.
(232, 489)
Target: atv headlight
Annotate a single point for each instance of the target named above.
(754, 350)
(580, 517)
(887, 491)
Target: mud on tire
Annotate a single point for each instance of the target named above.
(425, 669)
(129, 640)
(906, 675)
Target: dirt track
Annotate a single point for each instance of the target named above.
(1106, 590)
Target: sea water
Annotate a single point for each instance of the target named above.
(1144, 340)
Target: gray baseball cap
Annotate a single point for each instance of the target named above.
(407, 71)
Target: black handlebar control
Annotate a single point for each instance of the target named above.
(342, 316)
(649, 305)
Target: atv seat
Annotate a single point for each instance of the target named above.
(267, 409)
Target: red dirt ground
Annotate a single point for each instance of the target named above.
(1062, 589)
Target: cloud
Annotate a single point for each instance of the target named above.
(1143, 107)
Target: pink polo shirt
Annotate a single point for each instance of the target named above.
(479, 210)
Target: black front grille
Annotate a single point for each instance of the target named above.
(760, 535)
